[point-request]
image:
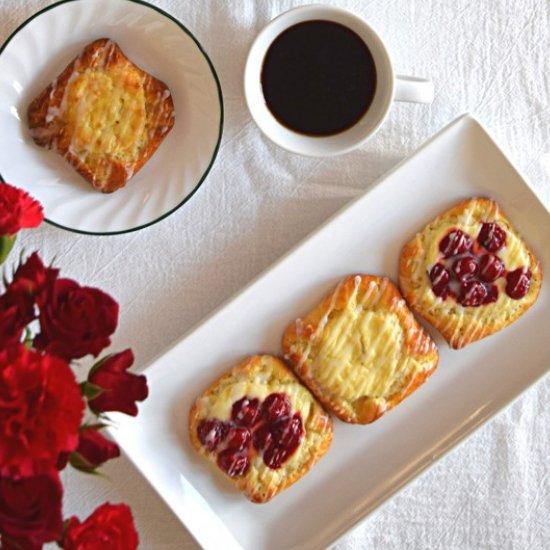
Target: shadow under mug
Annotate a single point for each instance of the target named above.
(389, 86)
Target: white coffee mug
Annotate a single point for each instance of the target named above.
(389, 86)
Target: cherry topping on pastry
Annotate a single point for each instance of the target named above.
(262, 437)
(518, 283)
(466, 271)
(275, 456)
(492, 294)
(491, 237)
(454, 243)
(472, 293)
(440, 277)
(246, 411)
(233, 463)
(238, 438)
(211, 433)
(491, 268)
(465, 268)
(276, 405)
(288, 432)
(269, 427)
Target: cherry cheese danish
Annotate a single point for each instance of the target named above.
(469, 273)
(260, 426)
(360, 351)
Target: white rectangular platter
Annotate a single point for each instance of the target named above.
(366, 464)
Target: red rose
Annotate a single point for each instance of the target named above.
(93, 449)
(76, 320)
(30, 284)
(30, 509)
(18, 210)
(40, 411)
(34, 278)
(121, 389)
(16, 312)
(111, 527)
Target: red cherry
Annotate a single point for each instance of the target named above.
(275, 406)
(275, 456)
(472, 294)
(440, 276)
(238, 438)
(492, 237)
(491, 268)
(464, 268)
(262, 437)
(492, 294)
(211, 433)
(454, 243)
(288, 432)
(246, 411)
(233, 463)
(518, 283)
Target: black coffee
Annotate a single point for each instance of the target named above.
(318, 78)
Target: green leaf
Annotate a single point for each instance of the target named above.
(77, 461)
(60, 542)
(90, 391)
(96, 426)
(27, 339)
(6, 244)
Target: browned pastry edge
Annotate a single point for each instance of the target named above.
(318, 421)
(459, 335)
(364, 409)
(51, 134)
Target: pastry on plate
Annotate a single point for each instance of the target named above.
(103, 114)
(469, 273)
(360, 350)
(260, 426)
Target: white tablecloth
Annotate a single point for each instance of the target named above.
(490, 58)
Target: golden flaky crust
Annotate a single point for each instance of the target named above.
(461, 325)
(360, 351)
(258, 376)
(103, 114)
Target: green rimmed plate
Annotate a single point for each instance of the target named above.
(41, 48)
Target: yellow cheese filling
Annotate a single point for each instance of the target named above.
(361, 352)
(107, 111)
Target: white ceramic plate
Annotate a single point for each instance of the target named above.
(366, 464)
(42, 47)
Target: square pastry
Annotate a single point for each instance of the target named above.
(469, 273)
(360, 350)
(261, 427)
(103, 114)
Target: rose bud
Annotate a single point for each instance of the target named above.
(93, 449)
(76, 321)
(34, 278)
(112, 524)
(120, 389)
(30, 509)
(16, 312)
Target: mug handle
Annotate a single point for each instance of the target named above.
(413, 89)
